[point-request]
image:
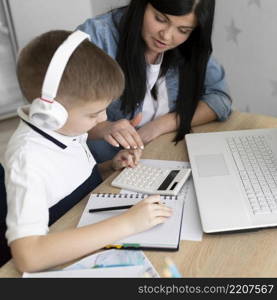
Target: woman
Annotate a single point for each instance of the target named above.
(172, 82)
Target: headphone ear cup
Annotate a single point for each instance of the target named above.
(48, 115)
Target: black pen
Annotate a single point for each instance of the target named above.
(109, 208)
(112, 208)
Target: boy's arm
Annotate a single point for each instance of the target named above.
(105, 169)
(37, 253)
(41, 252)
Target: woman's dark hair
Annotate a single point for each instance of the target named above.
(190, 58)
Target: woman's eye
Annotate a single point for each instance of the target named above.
(186, 32)
(160, 19)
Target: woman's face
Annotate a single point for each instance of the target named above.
(162, 32)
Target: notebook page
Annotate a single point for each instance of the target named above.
(161, 236)
(191, 223)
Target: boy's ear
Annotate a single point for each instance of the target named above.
(136, 120)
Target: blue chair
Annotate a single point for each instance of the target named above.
(5, 253)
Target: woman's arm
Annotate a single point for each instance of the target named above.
(203, 114)
(162, 125)
(215, 104)
(168, 123)
(216, 91)
(124, 132)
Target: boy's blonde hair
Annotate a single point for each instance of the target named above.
(90, 73)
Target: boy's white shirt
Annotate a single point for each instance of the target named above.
(38, 174)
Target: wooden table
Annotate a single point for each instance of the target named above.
(223, 255)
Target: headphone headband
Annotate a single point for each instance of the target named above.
(58, 63)
(45, 111)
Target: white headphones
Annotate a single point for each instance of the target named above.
(45, 111)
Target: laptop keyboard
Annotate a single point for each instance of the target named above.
(257, 168)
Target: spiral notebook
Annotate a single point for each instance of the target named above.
(164, 236)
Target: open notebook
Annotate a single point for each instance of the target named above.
(162, 237)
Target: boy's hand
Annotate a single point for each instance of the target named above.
(126, 158)
(146, 214)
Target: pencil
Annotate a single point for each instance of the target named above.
(109, 208)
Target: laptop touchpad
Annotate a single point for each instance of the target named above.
(211, 165)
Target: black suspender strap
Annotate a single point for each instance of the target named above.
(59, 209)
(47, 136)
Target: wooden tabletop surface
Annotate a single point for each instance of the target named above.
(222, 255)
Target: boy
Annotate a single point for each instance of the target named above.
(48, 164)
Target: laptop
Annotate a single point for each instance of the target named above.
(235, 178)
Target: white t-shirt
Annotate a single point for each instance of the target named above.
(38, 174)
(154, 108)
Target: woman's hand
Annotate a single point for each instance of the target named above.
(148, 132)
(162, 125)
(123, 133)
(146, 214)
(126, 158)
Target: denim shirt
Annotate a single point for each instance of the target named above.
(104, 33)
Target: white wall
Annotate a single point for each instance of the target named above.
(33, 17)
(1, 12)
(245, 43)
(10, 96)
(30, 18)
(53, 14)
(99, 7)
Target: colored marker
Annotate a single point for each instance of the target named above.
(172, 268)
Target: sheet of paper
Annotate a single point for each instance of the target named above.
(191, 223)
(164, 235)
(125, 272)
(110, 259)
(191, 226)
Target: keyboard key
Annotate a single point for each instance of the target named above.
(257, 168)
